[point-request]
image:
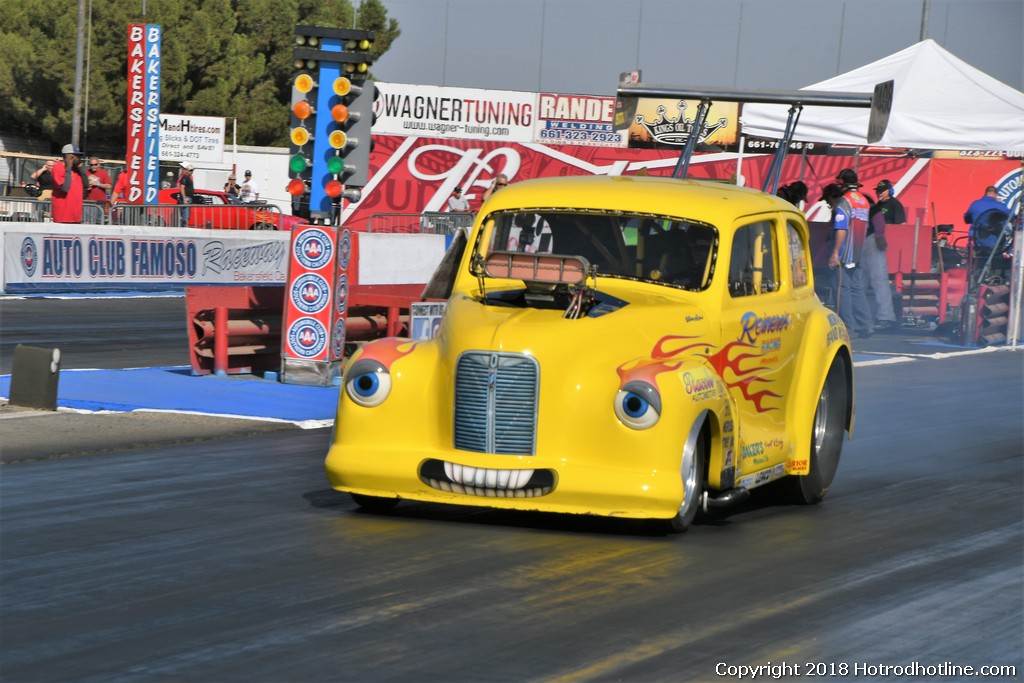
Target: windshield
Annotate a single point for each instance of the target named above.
(653, 248)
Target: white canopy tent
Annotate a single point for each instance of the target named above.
(939, 102)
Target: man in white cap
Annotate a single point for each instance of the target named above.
(186, 191)
(69, 183)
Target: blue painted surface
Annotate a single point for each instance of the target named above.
(177, 389)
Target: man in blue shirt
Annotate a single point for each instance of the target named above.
(986, 216)
(847, 278)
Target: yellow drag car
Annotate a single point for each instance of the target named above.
(631, 347)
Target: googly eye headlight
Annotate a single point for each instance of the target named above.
(368, 383)
(638, 405)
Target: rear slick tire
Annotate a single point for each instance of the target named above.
(826, 439)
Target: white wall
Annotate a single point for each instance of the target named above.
(269, 166)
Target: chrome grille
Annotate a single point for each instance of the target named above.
(496, 403)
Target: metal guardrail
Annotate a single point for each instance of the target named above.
(223, 217)
(21, 209)
(212, 216)
(428, 222)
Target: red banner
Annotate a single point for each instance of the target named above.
(412, 175)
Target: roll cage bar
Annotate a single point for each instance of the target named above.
(880, 102)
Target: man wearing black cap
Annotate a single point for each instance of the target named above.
(886, 210)
(457, 203)
(186, 191)
(69, 183)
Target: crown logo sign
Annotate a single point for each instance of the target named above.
(676, 131)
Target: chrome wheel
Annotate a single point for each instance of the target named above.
(691, 470)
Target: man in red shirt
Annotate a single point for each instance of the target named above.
(69, 182)
(99, 183)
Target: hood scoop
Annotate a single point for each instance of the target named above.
(551, 281)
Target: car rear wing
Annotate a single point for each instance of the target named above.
(880, 102)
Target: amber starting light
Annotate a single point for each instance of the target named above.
(337, 139)
(342, 86)
(300, 136)
(302, 110)
(304, 83)
(339, 113)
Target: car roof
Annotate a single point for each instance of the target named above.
(713, 202)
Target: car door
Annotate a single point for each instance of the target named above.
(761, 330)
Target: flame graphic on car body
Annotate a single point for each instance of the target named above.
(730, 357)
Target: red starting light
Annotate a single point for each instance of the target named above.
(296, 187)
(333, 189)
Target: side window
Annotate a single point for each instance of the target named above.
(797, 255)
(753, 265)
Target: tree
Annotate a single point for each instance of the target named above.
(219, 58)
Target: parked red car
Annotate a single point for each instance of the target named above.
(213, 210)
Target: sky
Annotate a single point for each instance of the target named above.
(581, 46)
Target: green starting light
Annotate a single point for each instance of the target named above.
(297, 164)
(335, 165)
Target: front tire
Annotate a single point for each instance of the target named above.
(826, 439)
(373, 503)
(264, 226)
(691, 470)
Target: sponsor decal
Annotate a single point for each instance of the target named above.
(307, 337)
(111, 257)
(798, 466)
(310, 293)
(338, 338)
(313, 249)
(667, 130)
(694, 318)
(837, 330)
(29, 256)
(1009, 189)
(344, 250)
(577, 120)
(342, 294)
(700, 386)
(754, 325)
(218, 258)
(763, 477)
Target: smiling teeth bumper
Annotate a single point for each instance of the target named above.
(490, 483)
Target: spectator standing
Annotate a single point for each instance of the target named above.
(457, 203)
(500, 181)
(119, 195)
(986, 216)
(250, 191)
(232, 189)
(847, 285)
(186, 191)
(69, 183)
(43, 178)
(99, 183)
(887, 210)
